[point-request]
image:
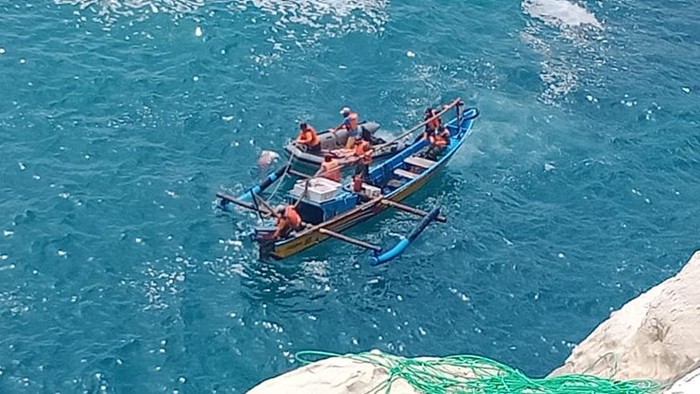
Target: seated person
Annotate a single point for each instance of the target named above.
(309, 138)
(441, 138)
(288, 220)
(438, 141)
(330, 169)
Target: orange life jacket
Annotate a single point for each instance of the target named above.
(309, 136)
(362, 151)
(433, 122)
(330, 170)
(357, 183)
(292, 216)
(441, 139)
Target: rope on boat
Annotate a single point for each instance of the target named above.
(470, 374)
(284, 174)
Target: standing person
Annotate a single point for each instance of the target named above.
(433, 121)
(363, 151)
(309, 138)
(330, 169)
(350, 123)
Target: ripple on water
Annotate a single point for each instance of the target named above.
(327, 18)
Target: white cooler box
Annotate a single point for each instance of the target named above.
(319, 189)
(371, 191)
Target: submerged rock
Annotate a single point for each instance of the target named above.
(654, 336)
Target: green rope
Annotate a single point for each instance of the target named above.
(467, 374)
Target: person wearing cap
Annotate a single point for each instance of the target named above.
(288, 219)
(363, 152)
(309, 138)
(350, 123)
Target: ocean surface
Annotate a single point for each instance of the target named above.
(120, 119)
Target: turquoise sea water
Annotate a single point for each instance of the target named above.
(118, 122)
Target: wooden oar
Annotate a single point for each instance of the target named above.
(243, 204)
(267, 206)
(410, 209)
(418, 126)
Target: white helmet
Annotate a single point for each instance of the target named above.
(345, 111)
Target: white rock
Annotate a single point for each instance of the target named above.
(654, 336)
(341, 375)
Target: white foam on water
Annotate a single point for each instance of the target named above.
(338, 14)
(326, 17)
(561, 13)
(561, 71)
(128, 7)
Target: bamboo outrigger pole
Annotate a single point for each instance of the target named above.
(413, 210)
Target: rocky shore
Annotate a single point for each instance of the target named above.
(654, 336)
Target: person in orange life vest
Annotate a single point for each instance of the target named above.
(287, 221)
(330, 169)
(350, 123)
(441, 138)
(309, 138)
(433, 121)
(438, 141)
(356, 183)
(363, 151)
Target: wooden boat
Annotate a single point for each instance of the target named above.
(327, 208)
(333, 143)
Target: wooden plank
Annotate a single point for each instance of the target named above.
(244, 204)
(405, 174)
(351, 240)
(413, 210)
(419, 162)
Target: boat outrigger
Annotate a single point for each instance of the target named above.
(327, 207)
